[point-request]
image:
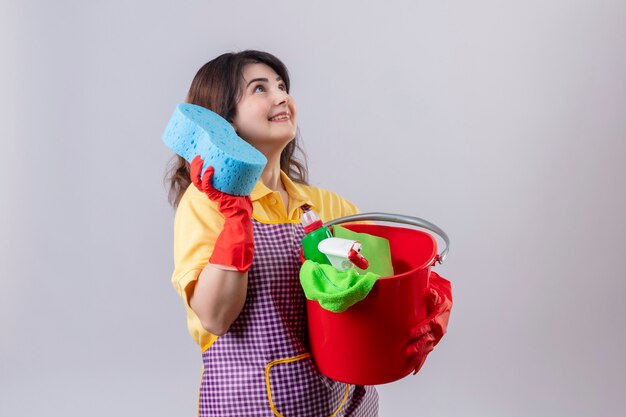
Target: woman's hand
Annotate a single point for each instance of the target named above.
(234, 247)
(425, 336)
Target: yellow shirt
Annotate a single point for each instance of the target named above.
(198, 223)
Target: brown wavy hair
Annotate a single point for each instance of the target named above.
(217, 86)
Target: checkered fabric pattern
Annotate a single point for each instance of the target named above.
(271, 330)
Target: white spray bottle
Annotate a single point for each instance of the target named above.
(343, 253)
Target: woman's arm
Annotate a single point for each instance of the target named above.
(218, 297)
(220, 291)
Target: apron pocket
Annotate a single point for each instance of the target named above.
(295, 388)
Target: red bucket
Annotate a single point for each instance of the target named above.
(366, 344)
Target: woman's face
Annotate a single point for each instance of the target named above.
(265, 114)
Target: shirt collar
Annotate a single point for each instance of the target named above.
(295, 191)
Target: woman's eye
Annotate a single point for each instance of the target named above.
(259, 89)
(282, 87)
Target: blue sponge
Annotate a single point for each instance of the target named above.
(195, 130)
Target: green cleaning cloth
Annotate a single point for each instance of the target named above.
(374, 248)
(335, 290)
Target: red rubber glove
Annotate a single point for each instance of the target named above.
(425, 336)
(235, 244)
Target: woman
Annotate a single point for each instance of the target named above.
(237, 258)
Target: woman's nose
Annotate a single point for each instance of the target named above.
(281, 97)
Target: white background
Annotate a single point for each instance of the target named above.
(502, 122)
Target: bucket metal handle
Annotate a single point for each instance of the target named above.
(398, 218)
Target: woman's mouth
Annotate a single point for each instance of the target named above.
(280, 117)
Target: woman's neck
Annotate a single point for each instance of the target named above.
(271, 178)
(271, 173)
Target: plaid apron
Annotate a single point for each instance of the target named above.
(261, 366)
